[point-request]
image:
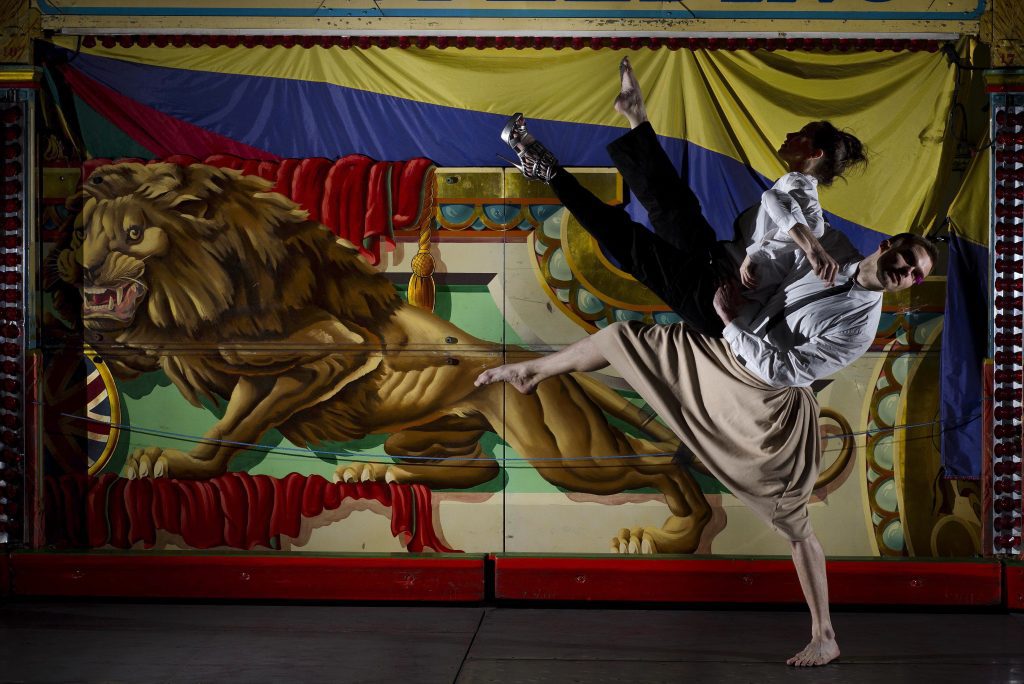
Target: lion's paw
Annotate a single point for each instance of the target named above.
(635, 541)
(366, 472)
(678, 535)
(149, 462)
(158, 462)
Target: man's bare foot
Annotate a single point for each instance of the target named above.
(820, 651)
(630, 101)
(519, 375)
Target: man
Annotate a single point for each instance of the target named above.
(733, 380)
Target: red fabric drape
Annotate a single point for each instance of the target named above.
(238, 510)
(176, 136)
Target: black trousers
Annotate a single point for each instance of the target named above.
(681, 261)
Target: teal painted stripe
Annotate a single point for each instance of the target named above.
(46, 8)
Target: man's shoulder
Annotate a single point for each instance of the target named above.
(839, 246)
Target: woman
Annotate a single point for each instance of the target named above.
(683, 242)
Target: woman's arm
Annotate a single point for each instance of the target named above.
(822, 263)
(792, 202)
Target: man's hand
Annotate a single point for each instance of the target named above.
(728, 301)
(748, 273)
(823, 265)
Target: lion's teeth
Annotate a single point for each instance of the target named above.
(120, 295)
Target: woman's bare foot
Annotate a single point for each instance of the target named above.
(521, 375)
(630, 101)
(820, 651)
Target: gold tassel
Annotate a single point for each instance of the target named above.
(421, 283)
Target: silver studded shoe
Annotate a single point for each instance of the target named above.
(535, 161)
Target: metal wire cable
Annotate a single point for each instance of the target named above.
(487, 461)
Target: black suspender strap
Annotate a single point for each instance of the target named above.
(810, 299)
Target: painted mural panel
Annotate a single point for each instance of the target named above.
(251, 348)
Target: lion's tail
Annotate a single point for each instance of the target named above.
(613, 403)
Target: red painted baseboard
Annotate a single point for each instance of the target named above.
(722, 580)
(1014, 586)
(332, 578)
(463, 578)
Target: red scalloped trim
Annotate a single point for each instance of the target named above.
(521, 42)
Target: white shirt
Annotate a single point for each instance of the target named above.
(814, 340)
(792, 200)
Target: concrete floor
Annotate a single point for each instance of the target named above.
(146, 642)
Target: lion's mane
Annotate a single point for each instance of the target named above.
(242, 261)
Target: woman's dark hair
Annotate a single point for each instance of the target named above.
(842, 151)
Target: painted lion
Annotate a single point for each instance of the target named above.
(231, 291)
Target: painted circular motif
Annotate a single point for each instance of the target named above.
(892, 535)
(103, 411)
(542, 212)
(80, 402)
(458, 213)
(885, 450)
(589, 264)
(885, 496)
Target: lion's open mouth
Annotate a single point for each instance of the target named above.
(112, 305)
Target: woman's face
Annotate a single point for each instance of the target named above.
(799, 147)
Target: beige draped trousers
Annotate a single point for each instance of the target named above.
(761, 442)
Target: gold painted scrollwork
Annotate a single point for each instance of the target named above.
(915, 509)
(580, 279)
(842, 431)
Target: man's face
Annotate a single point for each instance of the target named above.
(902, 265)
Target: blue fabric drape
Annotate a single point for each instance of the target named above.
(964, 347)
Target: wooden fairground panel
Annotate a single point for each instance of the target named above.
(279, 270)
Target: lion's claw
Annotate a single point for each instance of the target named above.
(146, 462)
(366, 472)
(156, 462)
(635, 541)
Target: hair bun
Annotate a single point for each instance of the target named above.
(842, 150)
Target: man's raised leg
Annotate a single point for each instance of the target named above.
(579, 357)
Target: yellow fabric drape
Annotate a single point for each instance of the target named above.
(736, 103)
(969, 211)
